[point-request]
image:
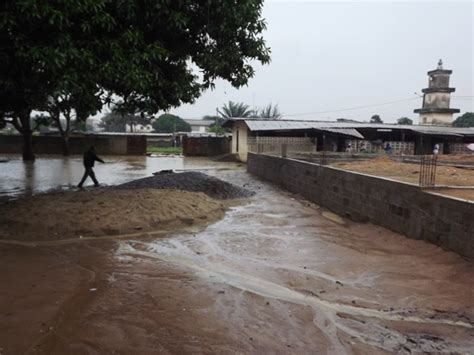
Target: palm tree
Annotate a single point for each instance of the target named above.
(270, 112)
(235, 109)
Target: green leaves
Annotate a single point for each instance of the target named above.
(466, 120)
(168, 123)
(235, 109)
(144, 51)
(405, 121)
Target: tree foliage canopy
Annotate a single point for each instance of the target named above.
(466, 120)
(217, 129)
(117, 122)
(404, 120)
(143, 51)
(270, 111)
(235, 109)
(168, 123)
(375, 119)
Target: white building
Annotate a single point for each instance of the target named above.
(199, 126)
(138, 128)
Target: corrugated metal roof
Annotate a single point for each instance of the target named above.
(199, 122)
(345, 131)
(284, 125)
(278, 125)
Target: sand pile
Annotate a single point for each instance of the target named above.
(191, 181)
(103, 212)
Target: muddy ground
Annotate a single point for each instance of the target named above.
(275, 275)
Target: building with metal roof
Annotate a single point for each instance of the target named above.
(335, 135)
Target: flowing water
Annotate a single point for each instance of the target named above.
(351, 276)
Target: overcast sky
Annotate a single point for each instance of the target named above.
(333, 55)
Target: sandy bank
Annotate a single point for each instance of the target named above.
(110, 211)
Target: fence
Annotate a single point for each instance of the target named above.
(206, 146)
(105, 144)
(402, 207)
(428, 170)
(459, 148)
(280, 145)
(398, 147)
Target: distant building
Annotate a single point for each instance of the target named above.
(436, 99)
(139, 128)
(200, 126)
(257, 135)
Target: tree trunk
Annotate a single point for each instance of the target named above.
(65, 144)
(65, 133)
(27, 149)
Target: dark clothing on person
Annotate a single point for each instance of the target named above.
(388, 148)
(89, 159)
(89, 172)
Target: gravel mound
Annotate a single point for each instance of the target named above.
(190, 181)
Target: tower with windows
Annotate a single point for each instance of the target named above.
(436, 98)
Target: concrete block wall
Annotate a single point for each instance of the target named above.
(206, 146)
(402, 207)
(105, 145)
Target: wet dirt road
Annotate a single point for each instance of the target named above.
(276, 275)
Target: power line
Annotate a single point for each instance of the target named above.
(354, 108)
(460, 97)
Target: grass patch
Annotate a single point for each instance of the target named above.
(164, 150)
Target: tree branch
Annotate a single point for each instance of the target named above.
(15, 123)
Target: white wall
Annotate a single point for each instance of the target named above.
(138, 128)
(240, 132)
(435, 118)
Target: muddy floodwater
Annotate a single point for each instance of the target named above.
(276, 275)
(19, 178)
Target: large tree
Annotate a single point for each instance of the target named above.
(168, 123)
(146, 52)
(44, 47)
(466, 120)
(118, 122)
(405, 121)
(375, 119)
(68, 109)
(235, 109)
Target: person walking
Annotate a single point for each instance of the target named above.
(388, 148)
(90, 157)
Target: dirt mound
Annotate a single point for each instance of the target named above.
(65, 215)
(190, 181)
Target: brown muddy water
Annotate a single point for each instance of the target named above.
(19, 178)
(276, 275)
